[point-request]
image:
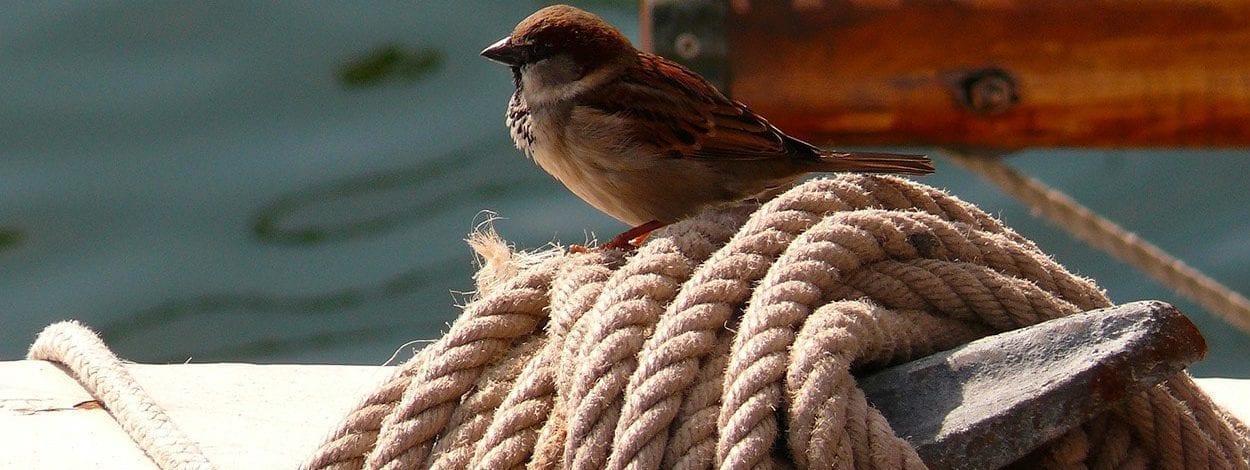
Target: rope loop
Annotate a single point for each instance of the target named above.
(731, 340)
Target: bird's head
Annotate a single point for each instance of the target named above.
(561, 50)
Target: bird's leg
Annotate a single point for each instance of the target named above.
(633, 238)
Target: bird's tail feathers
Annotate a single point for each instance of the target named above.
(873, 162)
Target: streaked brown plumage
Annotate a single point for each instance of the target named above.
(642, 138)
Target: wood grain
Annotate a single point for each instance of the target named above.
(1119, 73)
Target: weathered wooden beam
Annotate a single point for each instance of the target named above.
(975, 73)
(990, 402)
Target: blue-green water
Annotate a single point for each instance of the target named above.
(291, 182)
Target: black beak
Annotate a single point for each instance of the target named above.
(504, 52)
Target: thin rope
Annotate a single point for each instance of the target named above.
(1084, 224)
(103, 375)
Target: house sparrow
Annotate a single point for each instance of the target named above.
(644, 139)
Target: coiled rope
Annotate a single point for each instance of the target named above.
(730, 340)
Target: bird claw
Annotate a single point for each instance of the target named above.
(628, 240)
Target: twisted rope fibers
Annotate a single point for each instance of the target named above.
(730, 340)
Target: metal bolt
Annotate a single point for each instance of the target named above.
(687, 46)
(988, 92)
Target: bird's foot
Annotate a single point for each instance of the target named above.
(631, 239)
(628, 240)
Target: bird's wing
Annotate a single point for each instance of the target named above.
(682, 115)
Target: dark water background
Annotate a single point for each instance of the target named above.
(292, 181)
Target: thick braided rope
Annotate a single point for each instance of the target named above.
(483, 334)
(731, 340)
(619, 324)
(103, 374)
(689, 332)
(350, 444)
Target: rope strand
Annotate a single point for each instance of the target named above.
(104, 375)
(730, 340)
(1106, 235)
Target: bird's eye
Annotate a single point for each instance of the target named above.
(537, 52)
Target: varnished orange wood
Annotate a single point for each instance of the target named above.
(1120, 73)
